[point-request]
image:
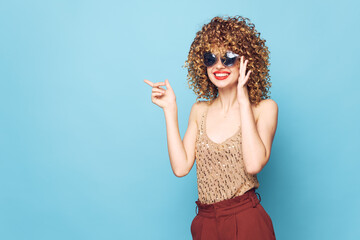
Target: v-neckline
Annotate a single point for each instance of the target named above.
(206, 135)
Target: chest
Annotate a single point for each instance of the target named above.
(218, 129)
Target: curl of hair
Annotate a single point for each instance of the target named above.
(238, 35)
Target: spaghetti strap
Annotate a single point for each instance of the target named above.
(203, 119)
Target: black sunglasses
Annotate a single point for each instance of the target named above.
(228, 59)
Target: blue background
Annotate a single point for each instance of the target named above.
(83, 151)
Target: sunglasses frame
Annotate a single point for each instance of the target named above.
(228, 55)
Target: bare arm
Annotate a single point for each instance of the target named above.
(258, 138)
(181, 153)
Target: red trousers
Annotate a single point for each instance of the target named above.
(241, 217)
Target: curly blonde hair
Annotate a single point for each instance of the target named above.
(238, 35)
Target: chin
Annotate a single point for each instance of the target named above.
(223, 83)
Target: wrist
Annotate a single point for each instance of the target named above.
(170, 109)
(243, 101)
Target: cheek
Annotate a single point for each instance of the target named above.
(235, 71)
(209, 73)
(236, 68)
(211, 76)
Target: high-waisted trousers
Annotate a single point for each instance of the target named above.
(241, 217)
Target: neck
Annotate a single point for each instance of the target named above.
(227, 99)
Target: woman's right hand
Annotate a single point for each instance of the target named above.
(164, 98)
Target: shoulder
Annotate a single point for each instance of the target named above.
(268, 113)
(265, 107)
(270, 109)
(268, 105)
(198, 109)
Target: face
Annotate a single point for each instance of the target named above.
(221, 75)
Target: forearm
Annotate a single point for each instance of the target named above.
(253, 148)
(177, 153)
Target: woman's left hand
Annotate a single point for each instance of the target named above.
(242, 92)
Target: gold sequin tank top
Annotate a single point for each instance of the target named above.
(220, 169)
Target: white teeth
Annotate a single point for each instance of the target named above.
(221, 74)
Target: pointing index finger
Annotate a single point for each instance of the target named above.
(159, 84)
(149, 82)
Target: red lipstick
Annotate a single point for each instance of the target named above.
(221, 75)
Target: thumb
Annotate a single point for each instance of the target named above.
(167, 84)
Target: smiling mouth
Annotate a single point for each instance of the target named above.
(221, 76)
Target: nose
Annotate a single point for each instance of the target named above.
(219, 64)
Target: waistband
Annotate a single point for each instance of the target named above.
(229, 206)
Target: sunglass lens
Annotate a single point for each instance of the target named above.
(230, 59)
(209, 59)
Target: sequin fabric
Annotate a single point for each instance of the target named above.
(220, 169)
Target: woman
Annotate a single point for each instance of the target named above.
(230, 135)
